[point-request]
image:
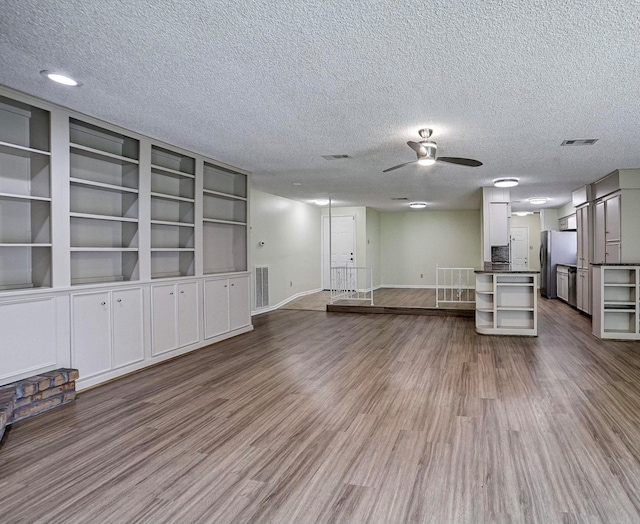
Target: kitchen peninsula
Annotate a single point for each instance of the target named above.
(506, 301)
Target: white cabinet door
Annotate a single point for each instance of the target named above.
(91, 333)
(583, 298)
(27, 337)
(126, 306)
(612, 252)
(599, 233)
(583, 237)
(239, 309)
(612, 219)
(164, 321)
(188, 314)
(216, 307)
(498, 224)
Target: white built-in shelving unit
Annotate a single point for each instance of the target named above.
(616, 296)
(224, 219)
(506, 304)
(172, 214)
(25, 196)
(104, 182)
(116, 251)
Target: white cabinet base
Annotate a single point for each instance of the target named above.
(507, 304)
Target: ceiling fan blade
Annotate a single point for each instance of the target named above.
(417, 147)
(399, 166)
(469, 162)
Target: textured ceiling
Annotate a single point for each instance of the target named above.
(272, 86)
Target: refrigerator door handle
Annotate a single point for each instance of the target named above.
(541, 256)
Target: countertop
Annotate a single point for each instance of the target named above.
(568, 265)
(502, 268)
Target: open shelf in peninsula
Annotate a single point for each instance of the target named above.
(616, 301)
(506, 303)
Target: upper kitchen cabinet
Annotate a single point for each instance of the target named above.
(496, 210)
(616, 235)
(25, 196)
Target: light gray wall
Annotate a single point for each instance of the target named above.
(412, 243)
(373, 244)
(533, 223)
(291, 233)
(566, 210)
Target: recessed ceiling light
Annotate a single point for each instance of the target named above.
(60, 78)
(418, 205)
(505, 182)
(537, 201)
(296, 184)
(321, 202)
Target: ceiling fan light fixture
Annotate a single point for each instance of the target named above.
(60, 78)
(418, 205)
(426, 161)
(538, 201)
(505, 182)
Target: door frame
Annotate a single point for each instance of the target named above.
(322, 248)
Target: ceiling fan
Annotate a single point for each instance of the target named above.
(426, 151)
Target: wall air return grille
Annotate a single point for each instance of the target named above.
(580, 142)
(262, 286)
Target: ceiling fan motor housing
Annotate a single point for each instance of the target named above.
(428, 150)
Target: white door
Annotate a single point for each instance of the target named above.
(239, 314)
(91, 333)
(216, 307)
(163, 318)
(188, 331)
(342, 251)
(127, 327)
(519, 248)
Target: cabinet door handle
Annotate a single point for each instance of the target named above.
(182, 292)
(103, 303)
(171, 293)
(119, 300)
(232, 285)
(225, 285)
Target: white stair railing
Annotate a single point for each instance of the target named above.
(455, 284)
(352, 283)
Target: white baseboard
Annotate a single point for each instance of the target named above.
(285, 301)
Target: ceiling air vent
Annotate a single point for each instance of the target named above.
(335, 157)
(399, 198)
(580, 142)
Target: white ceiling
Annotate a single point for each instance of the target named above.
(271, 86)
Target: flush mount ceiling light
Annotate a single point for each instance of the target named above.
(60, 78)
(537, 201)
(418, 205)
(321, 202)
(522, 213)
(505, 182)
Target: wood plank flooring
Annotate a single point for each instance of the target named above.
(320, 417)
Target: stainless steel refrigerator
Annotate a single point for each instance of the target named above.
(556, 247)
